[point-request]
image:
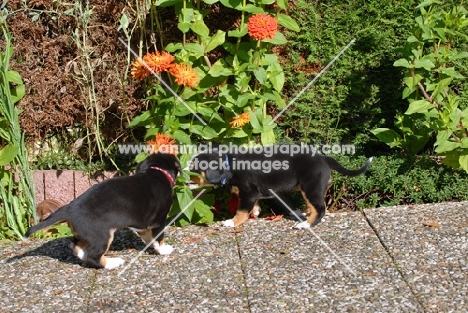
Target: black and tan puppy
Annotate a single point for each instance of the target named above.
(253, 175)
(140, 202)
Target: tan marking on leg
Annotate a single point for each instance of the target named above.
(240, 218)
(310, 209)
(161, 242)
(111, 232)
(235, 189)
(103, 261)
(256, 210)
(146, 235)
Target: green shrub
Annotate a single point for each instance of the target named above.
(393, 180)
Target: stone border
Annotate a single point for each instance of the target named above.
(65, 185)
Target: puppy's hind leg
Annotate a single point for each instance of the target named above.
(159, 246)
(315, 207)
(96, 249)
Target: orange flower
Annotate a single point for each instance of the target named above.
(163, 144)
(159, 62)
(240, 120)
(139, 70)
(262, 26)
(184, 75)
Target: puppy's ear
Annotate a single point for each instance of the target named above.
(142, 167)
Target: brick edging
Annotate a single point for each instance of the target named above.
(66, 185)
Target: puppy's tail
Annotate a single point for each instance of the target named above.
(334, 165)
(60, 215)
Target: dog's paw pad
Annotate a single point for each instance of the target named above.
(165, 249)
(302, 225)
(228, 223)
(112, 263)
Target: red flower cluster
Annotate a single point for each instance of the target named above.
(233, 204)
(262, 26)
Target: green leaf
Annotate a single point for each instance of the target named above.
(124, 22)
(167, 3)
(261, 75)
(233, 4)
(210, 1)
(419, 106)
(402, 63)
(173, 47)
(447, 146)
(250, 8)
(452, 73)
(463, 160)
(184, 196)
(387, 136)
(218, 39)
(8, 153)
(181, 137)
(238, 32)
(141, 119)
(442, 136)
(195, 48)
(268, 137)
(206, 132)
(278, 40)
(200, 28)
(17, 93)
(277, 76)
(14, 77)
(424, 63)
(460, 55)
(220, 68)
(288, 22)
(184, 27)
(282, 4)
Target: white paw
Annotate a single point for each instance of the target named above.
(165, 249)
(112, 263)
(302, 225)
(228, 223)
(256, 211)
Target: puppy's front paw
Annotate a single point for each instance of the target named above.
(302, 225)
(165, 249)
(228, 223)
(112, 263)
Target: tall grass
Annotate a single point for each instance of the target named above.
(17, 201)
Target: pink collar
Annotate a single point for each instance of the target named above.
(168, 176)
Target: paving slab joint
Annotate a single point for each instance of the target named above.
(244, 272)
(395, 263)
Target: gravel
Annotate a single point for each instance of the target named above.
(429, 245)
(397, 259)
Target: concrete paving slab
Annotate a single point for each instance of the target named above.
(429, 244)
(290, 270)
(203, 274)
(38, 277)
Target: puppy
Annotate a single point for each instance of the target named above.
(254, 174)
(140, 202)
